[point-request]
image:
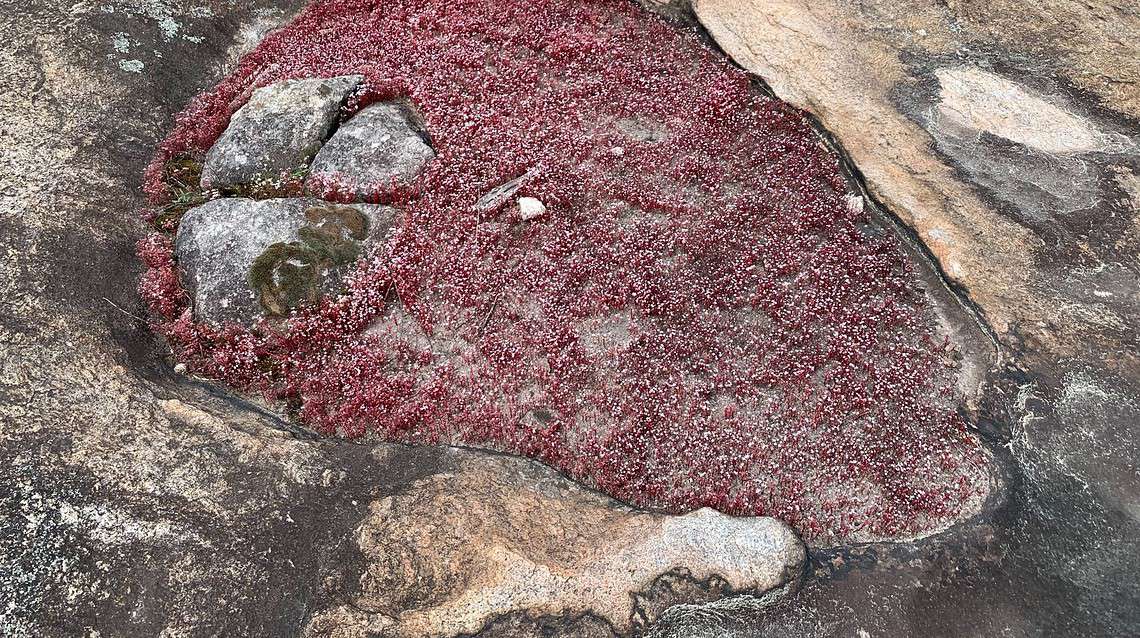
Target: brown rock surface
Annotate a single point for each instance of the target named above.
(1003, 133)
(497, 535)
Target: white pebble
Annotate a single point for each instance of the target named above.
(530, 208)
(180, 368)
(617, 151)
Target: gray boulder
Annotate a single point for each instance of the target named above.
(242, 258)
(385, 144)
(279, 130)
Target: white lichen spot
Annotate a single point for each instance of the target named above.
(164, 13)
(120, 43)
(937, 235)
(169, 28)
(131, 66)
(68, 515)
(985, 102)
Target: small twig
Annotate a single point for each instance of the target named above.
(117, 307)
(491, 312)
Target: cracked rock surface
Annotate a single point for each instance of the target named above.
(384, 144)
(279, 130)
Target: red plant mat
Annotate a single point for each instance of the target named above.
(700, 318)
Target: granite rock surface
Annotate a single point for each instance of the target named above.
(279, 130)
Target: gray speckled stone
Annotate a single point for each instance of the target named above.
(219, 241)
(385, 143)
(499, 195)
(280, 129)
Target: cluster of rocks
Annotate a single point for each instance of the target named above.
(242, 257)
(291, 127)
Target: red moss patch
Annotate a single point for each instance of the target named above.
(699, 319)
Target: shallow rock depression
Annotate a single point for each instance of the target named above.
(563, 230)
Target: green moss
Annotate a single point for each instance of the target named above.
(339, 218)
(288, 275)
(171, 214)
(284, 277)
(184, 173)
(183, 176)
(288, 184)
(329, 249)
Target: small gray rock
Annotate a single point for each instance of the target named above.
(385, 144)
(499, 195)
(279, 130)
(242, 258)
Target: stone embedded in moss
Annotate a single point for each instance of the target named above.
(243, 258)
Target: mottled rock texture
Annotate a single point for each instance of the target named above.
(383, 146)
(243, 258)
(549, 549)
(1004, 134)
(133, 501)
(279, 130)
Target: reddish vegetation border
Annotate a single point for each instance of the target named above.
(779, 357)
